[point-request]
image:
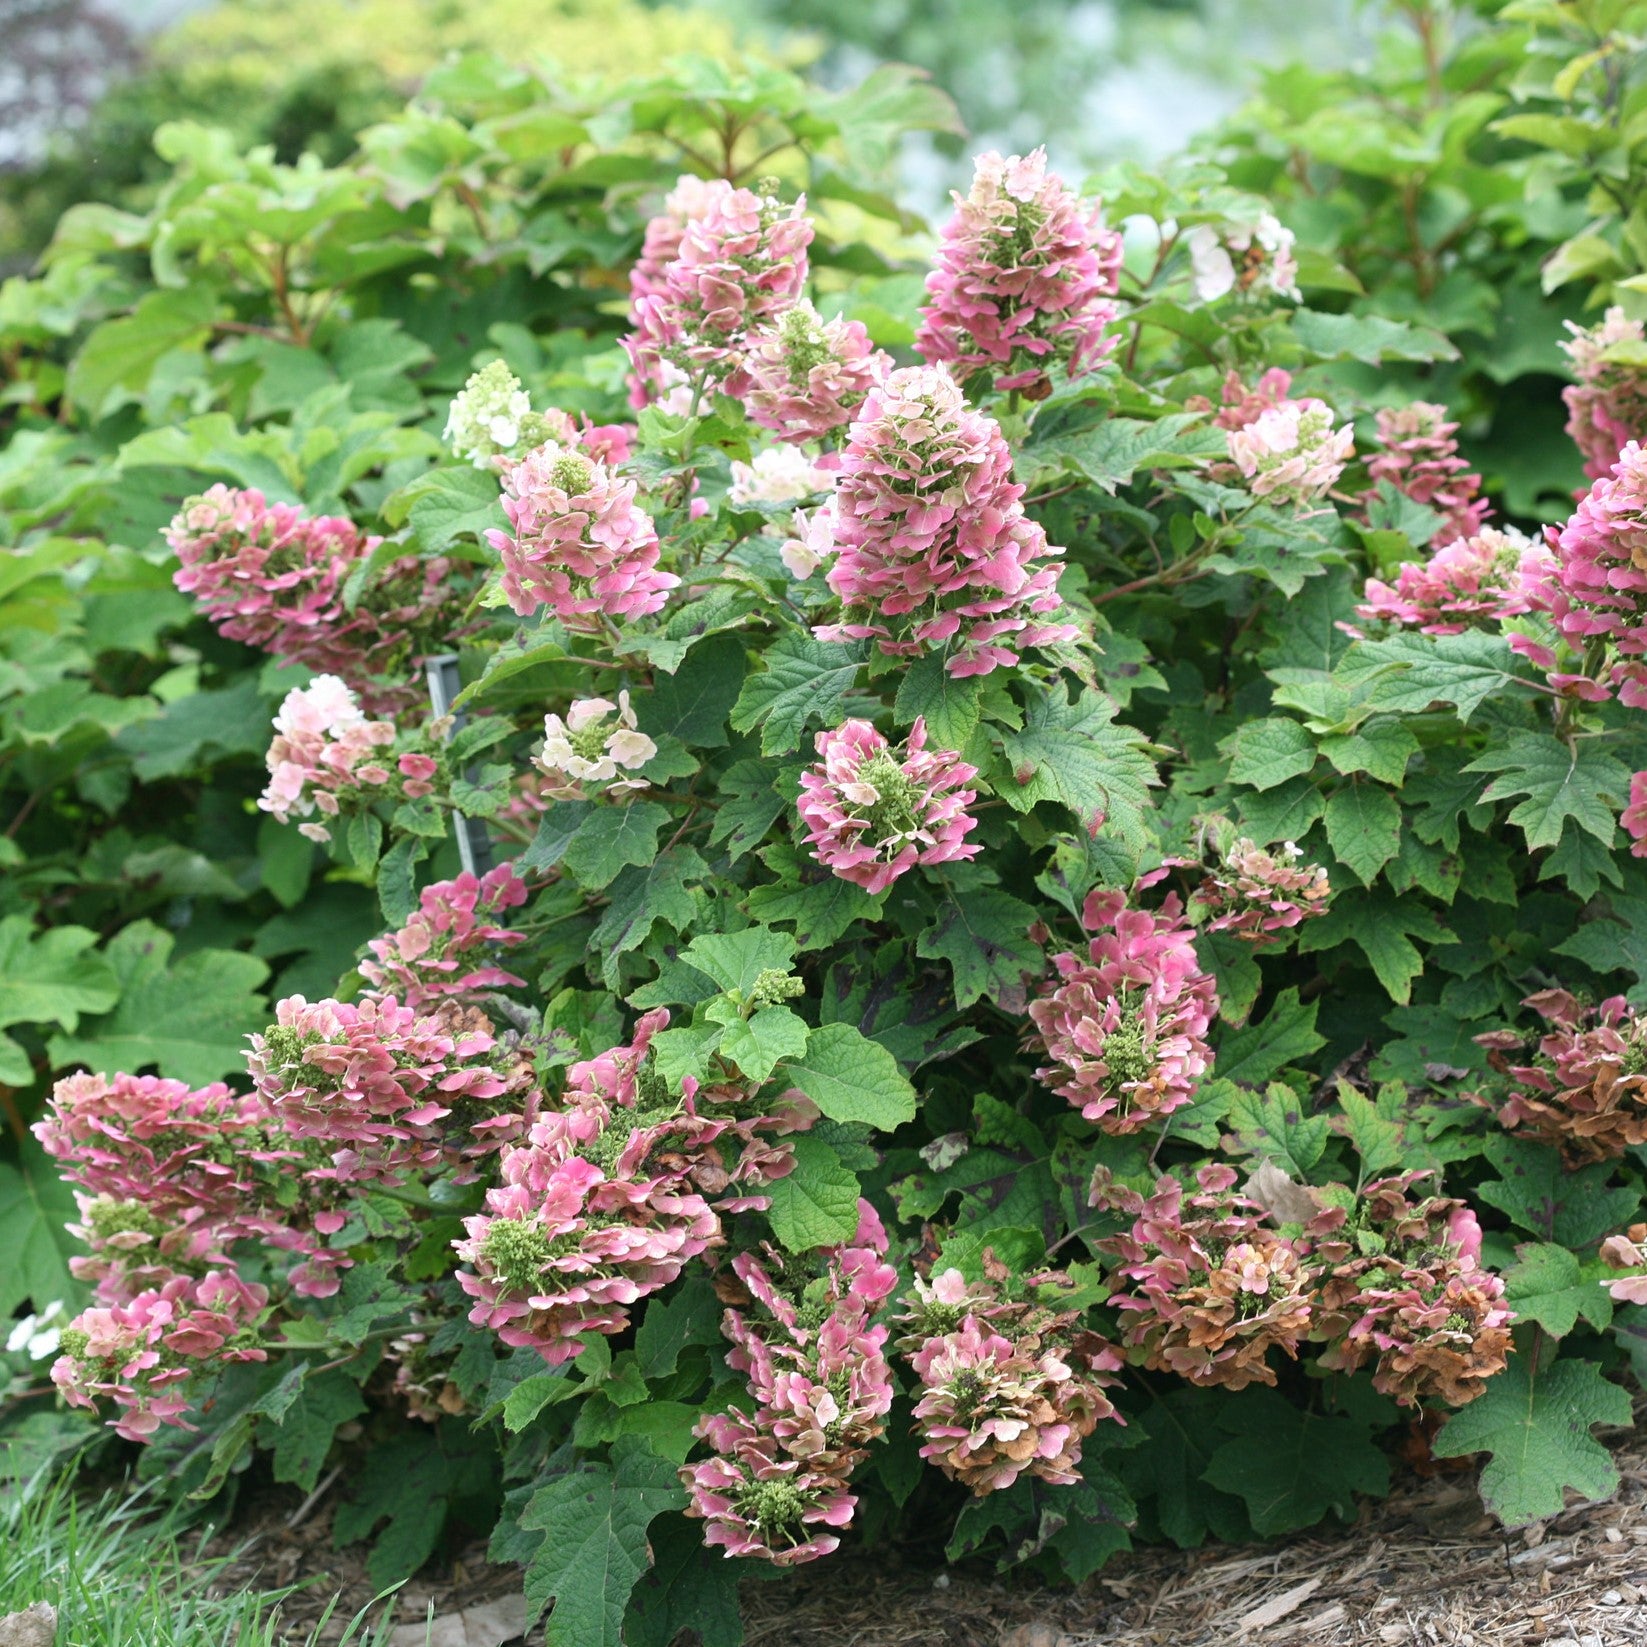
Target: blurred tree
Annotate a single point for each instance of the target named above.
(297, 74)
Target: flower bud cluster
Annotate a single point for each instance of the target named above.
(492, 418)
(1583, 1085)
(1010, 1384)
(1126, 1026)
(934, 548)
(1607, 407)
(871, 815)
(1023, 280)
(802, 1335)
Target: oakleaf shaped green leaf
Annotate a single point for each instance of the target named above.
(1536, 1424)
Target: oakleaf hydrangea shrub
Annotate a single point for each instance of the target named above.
(1020, 934)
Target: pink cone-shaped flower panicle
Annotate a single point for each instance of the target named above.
(1634, 815)
(179, 1151)
(740, 259)
(327, 756)
(777, 474)
(1627, 1252)
(1206, 1290)
(592, 747)
(1125, 1028)
(1418, 456)
(1245, 258)
(760, 1503)
(872, 814)
(440, 952)
(1470, 583)
(1583, 1085)
(1260, 895)
(934, 549)
(1024, 277)
(1596, 590)
(1292, 454)
(691, 197)
(141, 1355)
(596, 1208)
(1011, 1383)
(272, 577)
(578, 543)
(803, 376)
(1401, 1286)
(371, 1081)
(990, 1412)
(1607, 407)
(821, 1387)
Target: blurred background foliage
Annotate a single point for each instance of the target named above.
(1129, 78)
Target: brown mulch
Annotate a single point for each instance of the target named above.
(1425, 1567)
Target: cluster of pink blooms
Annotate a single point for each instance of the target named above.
(1583, 1085)
(1418, 456)
(1400, 1284)
(346, 1096)
(720, 262)
(1634, 815)
(578, 543)
(1596, 586)
(1010, 1384)
(803, 376)
(1627, 1252)
(1607, 407)
(871, 815)
(433, 956)
(1207, 1291)
(273, 577)
(607, 1199)
(1291, 453)
(802, 1334)
(934, 548)
(1125, 1027)
(1480, 579)
(1375, 1276)
(327, 756)
(1242, 405)
(1259, 896)
(1024, 278)
(142, 1354)
(372, 1081)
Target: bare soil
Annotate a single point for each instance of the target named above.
(1425, 1567)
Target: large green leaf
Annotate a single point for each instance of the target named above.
(594, 1521)
(1536, 1423)
(189, 1021)
(52, 979)
(851, 1078)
